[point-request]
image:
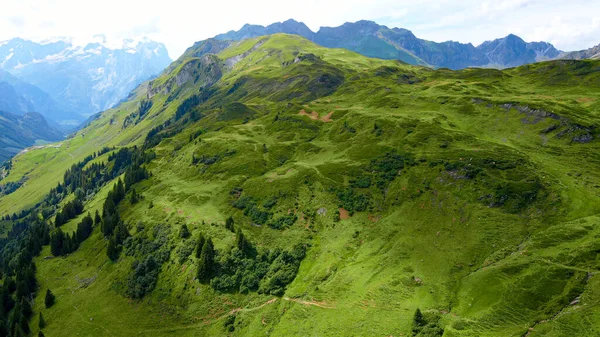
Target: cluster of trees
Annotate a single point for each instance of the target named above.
(187, 105)
(62, 244)
(112, 227)
(10, 187)
(380, 172)
(138, 115)
(243, 268)
(7, 165)
(426, 325)
(150, 252)
(252, 210)
(18, 272)
(71, 210)
(262, 215)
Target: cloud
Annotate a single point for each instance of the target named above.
(179, 23)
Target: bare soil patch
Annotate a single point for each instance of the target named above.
(344, 214)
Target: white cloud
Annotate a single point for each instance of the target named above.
(569, 25)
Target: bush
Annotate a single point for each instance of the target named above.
(144, 277)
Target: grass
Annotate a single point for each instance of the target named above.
(492, 227)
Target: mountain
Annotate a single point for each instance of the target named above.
(10, 100)
(512, 51)
(592, 53)
(19, 132)
(85, 79)
(371, 39)
(275, 186)
(30, 98)
(249, 31)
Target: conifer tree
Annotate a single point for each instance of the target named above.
(41, 322)
(49, 299)
(97, 219)
(56, 242)
(133, 199)
(206, 262)
(112, 250)
(229, 224)
(201, 241)
(184, 232)
(241, 242)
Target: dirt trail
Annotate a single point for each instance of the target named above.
(321, 304)
(209, 320)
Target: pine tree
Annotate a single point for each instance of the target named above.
(206, 262)
(56, 242)
(240, 241)
(418, 322)
(184, 232)
(24, 325)
(112, 250)
(50, 298)
(97, 219)
(121, 233)
(119, 191)
(229, 224)
(26, 310)
(41, 334)
(42, 322)
(201, 241)
(59, 219)
(133, 199)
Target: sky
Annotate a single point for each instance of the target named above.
(569, 25)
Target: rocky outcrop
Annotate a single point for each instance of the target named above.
(592, 53)
(202, 72)
(565, 127)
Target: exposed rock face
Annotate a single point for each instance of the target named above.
(592, 53)
(203, 72)
(565, 127)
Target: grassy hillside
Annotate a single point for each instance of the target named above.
(365, 189)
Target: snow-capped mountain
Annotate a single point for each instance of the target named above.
(86, 79)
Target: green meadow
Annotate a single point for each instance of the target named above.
(470, 195)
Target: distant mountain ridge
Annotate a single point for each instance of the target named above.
(591, 53)
(19, 132)
(19, 97)
(374, 40)
(85, 79)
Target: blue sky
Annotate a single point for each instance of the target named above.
(569, 25)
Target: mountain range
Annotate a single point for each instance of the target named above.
(18, 132)
(68, 83)
(591, 53)
(374, 40)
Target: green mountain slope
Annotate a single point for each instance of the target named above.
(19, 132)
(364, 190)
